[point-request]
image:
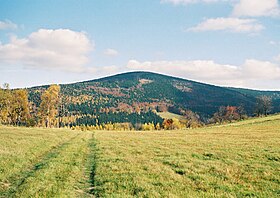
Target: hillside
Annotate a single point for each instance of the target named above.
(134, 95)
(275, 95)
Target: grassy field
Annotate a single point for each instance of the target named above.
(44, 162)
(242, 160)
(237, 160)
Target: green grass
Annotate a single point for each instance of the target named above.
(242, 160)
(253, 121)
(43, 162)
(237, 160)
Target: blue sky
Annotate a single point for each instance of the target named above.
(222, 42)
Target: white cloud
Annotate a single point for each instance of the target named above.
(228, 24)
(253, 8)
(7, 25)
(60, 49)
(256, 8)
(193, 68)
(277, 58)
(104, 70)
(111, 52)
(185, 2)
(251, 74)
(261, 70)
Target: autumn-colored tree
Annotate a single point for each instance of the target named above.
(14, 107)
(228, 114)
(171, 124)
(176, 124)
(219, 116)
(19, 107)
(137, 109)
(192, 119)
(5, 104)
(231, 113)
(157, 127)
(49, 106)
(148, 127)
(167, 124)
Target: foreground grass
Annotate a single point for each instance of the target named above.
(242, 160)
(237, 160)
(43, 162)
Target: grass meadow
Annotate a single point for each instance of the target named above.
(236, 160)
(43, 162)
(239, 160)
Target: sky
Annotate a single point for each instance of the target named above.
(232, 43)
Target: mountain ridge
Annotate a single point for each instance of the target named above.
(149, 72)
(140, 91)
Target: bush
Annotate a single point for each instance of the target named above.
(31, 122)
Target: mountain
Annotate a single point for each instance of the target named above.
(129, 94)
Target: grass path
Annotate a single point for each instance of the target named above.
(59, 170)
(18, 179)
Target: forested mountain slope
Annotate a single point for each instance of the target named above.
(135, 95)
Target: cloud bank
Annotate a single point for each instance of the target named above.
(60, 49)
(256, 8)
(7, 25)
(185, 2)
(228, 24)
(235, 22)
(252, 73)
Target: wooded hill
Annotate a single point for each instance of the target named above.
(135, 97)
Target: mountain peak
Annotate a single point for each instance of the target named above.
(148, 91)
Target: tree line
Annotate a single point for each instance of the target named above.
(232, 113)
(51, 111)
(15, 108)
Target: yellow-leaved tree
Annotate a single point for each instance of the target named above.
(49, 106)
(19, 108)
(5, 104)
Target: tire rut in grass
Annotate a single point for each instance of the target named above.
(18, 179)
(91, 167)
